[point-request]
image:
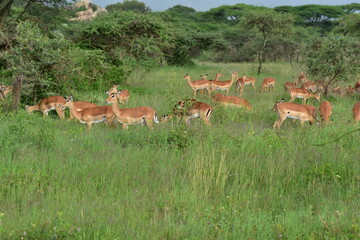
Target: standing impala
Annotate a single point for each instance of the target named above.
(48, 104)
(289, 85)
(198, 84)
(91, 115)
(223, 85)
(325, 111)
(124, 95)
(302, 93)
(79, 106)
(268, 83)
(243, 81)
(189, 109)
(231, 101)
(130, 116)
(295, 111)
(356, 112)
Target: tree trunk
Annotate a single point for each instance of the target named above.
(260, 62)
(5, 6)
(17, 91)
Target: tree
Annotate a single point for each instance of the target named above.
(128, 5)
(334, 58)
(349, 25)
(266, 23)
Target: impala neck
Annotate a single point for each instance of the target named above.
(74, 112)
(115, 107)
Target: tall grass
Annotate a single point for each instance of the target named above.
(235, 179)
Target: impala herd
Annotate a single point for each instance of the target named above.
(187, 109)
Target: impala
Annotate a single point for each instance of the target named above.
(325, 111)
(295, 111)
(223, 85)
(48, 104)
(243, 81)
(198, 84)
(124, 95)
(310, 86)
(189, 109)
(80, 105)
(5, 90)
(302, 93)
(91, 115)
(130, 116)
(302, 78)
(289, 85)
(357, 87)
(268, 83)
(339, 90)
(231, 101)
(356, 112)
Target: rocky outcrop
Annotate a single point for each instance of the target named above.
(89, 13)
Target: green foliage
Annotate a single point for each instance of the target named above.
(334, 58)
(349, 25)
(128, 5)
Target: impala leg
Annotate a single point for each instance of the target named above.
(59, 111)
(88, 126)
(253, 86)
(125, 126)
(292, 99)
(304, 101)
(278, 123)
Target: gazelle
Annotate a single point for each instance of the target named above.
(198, 84)
(124, 95)
(81, 105)
(325, 111)
(268, 83)
(223, 85)
(189, 109)
(92, 115)
(293, 110)
(48, 104)
(5, 90)
(356, 112)
(302, 78)
(310, 86)
(231, 101)
(290, 85)
(130, 116)
(302, 93)
(243, 81)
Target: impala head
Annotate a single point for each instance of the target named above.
(166, 118)
(68, 101)
(217, 97)
(278, 103)
(187, 76)
(112, 97)
(112, 90)
(204, 76)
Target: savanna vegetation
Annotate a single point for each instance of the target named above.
(237, 178)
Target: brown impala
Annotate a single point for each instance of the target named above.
(124, 95)
(198, 84)
(268, 83)
(295, 111)
(356, 112)
(243, 81)
(5, 90)
(325, 111)
(302, 93)
(231, 101)
(79, 106)
(130, 116)
(48, 104)
(91, 115)
(223, 85)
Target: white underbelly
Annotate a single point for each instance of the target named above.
(292, 117)
(96, 121)
(49, 109)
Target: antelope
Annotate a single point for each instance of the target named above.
(5, 90)
(357, 87)
(124, 95)
(91, 115)
(130, 116)
(341, 91)
(350, 90)
(243, 81)
(198, 84)
(294, 110)
(302, 93)
(81, 105)
(268, 83)
(231, 101)
(310, 86)
(302, 78)
(356, 112)
(325, 111)
(48, 104)
(223, 85)
(189, 109)
(289, 85)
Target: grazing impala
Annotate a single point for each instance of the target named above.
(295, 111)
(310, 86)
(268, 83)
(356, 112)
(5, 90)
(130, 116)
(198, 84)
(48, 104)
(124, 95)
(81, 105)
(243, 81)
(223, 85)
(302, 93)
(325, 111)
(231, 101)
(289, 85)
(190, 108)
(91, 115)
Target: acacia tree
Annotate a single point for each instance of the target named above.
(334, 58)
(266, 24)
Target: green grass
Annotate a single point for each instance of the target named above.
(235, 179)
